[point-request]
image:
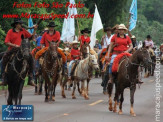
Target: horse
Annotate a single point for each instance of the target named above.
(127, 76)
(81, 74)
(149, 71)
(37, 73)
(50, 69)
(16, 69)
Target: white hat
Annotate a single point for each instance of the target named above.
(133, 37)
(122, 27)
(66, 49)
(74, 42)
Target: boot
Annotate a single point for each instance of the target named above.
(30, 81)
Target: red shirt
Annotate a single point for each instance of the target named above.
(75, 52)
(15, 37)
(83, 39)
(46, 36)
(121, 43)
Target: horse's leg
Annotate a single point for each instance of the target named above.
(116, 98)
(78, 84)
(132, 91)
(82, 88)
(40, 84)
(54, 86)
(46, 92)
(36, 78)
(121, 101)
(88, 80)
(110, 89)
(62, 87)
(85, 90)
(9, 100)
(74, 87)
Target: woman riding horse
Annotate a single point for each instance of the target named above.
(121, 43)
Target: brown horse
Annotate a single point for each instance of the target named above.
(128, 77)
(50, 69)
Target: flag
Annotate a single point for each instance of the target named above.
(133, 11)
(68, 29)
(96, 26)
(30, 24)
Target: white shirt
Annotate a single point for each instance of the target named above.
(106, 41)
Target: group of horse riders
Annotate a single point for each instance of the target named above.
(114, 42)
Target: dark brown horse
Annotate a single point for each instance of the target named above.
(128, 77)
(18, 66)
(50, 69)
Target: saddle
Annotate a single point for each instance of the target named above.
(74, 65)
(118, 61)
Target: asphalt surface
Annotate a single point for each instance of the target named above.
(96, 108)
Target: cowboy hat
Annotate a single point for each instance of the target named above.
(115, 27)
(52, 24)
(133, 37)
(74, 42)
(149, 37)
(122, 27)
(85, 31)
(107, 29)
(17, 20)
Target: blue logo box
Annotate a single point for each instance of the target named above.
(17, 112)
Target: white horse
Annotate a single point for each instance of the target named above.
(81, 74)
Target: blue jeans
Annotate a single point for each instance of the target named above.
(111, 63)
(70, 67)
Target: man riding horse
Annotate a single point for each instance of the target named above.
(13, 40)
(53, 35)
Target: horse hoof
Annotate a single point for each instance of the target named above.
(64, 96)
(133, 114)
(120, 113)
(115, 111)
(46, 100)
(86, 98)
(110, 109)
(39, 93)
(73, 97)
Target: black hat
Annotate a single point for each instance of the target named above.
(52, 24)
(17, 20)
(107, 29)
(86, 30)
(149, 37)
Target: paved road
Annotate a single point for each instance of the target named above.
(95, 109)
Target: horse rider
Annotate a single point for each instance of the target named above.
(53, 35)
(134, 42)
(148, 43)
(119, 43)
(75, 55)
(84, 38)
(13, 39)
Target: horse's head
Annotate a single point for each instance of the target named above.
(93, 62)
(85, 50)
(25, 47)
(53, 48)
(143, 56)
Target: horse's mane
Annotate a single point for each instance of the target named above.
(8, 54)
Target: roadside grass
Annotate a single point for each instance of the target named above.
(5, 87)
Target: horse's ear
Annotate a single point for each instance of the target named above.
(22, 36)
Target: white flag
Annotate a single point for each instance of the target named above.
(96, 26)
(68, 29)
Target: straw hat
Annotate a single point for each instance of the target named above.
(133, 37)
(122, 27)
(74, 42)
